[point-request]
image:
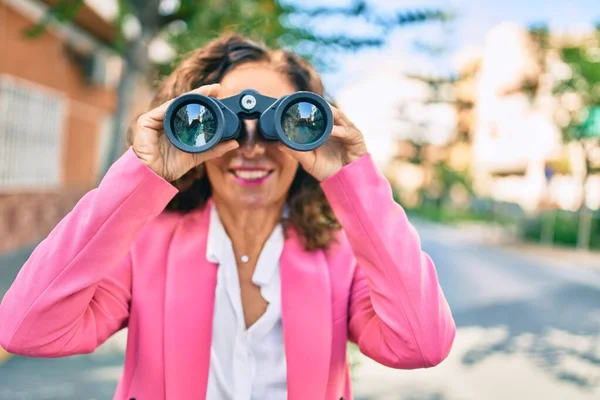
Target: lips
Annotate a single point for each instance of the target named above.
(250, 175)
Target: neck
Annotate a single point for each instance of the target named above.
(248, 229)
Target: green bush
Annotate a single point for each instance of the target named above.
(566, 228)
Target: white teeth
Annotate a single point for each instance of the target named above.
(250, 175)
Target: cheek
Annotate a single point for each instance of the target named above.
(288, 168)
(214, 171)
(216, 164)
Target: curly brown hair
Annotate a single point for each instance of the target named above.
(309, 211)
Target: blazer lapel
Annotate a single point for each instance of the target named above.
(306, 319)
(189, 308)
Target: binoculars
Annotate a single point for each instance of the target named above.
(195, 123)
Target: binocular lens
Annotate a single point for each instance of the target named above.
(303, 123)
(194, 125)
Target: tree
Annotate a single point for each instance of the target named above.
(574, 65)
(445, 177)
(188, 24)
(578, 93)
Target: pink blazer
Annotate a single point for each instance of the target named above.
(118, 260)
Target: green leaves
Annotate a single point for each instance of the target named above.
(581, 83)
(285, 24)
(591, 124)
(62, 11)
(280, 24)
(585, 81)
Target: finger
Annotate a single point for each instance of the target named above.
(208, 90)
(303, 157)
(343, 131)
(339, 118)
(224, 147)
(217, 151)
(156, 115)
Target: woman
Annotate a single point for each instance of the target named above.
(240, 272)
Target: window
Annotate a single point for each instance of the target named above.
(32, 126)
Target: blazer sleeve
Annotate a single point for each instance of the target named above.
(74, 290)
(398, 314)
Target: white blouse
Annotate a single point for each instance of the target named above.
(245, 364)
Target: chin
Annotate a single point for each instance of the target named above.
(252, 201)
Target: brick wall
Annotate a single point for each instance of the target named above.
(29, 216)
(26, 218)
(45, 61)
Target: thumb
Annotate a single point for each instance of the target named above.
(303, 157)
(217, 151)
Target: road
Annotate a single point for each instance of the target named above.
(528, 329)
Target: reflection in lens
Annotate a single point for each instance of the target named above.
(194, 125)
(303, 123)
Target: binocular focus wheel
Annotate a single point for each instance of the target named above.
(248, 102)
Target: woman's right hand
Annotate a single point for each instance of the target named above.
(154, 149)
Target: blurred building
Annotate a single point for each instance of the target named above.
(519, 154)
(468, 64)
(57, 98)
(430, 143)
(506, 133)
(513, 137)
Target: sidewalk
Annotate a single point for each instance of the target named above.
(557, 255)
(10, 264)
(508, 239)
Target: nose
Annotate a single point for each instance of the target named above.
(251, 142)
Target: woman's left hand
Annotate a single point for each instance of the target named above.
(346, 144)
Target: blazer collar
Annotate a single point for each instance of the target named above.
(306, 319)
(189, 305)
(189, 308)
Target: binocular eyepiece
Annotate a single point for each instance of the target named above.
(195, 123)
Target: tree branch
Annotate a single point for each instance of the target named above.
(62, 11)
(359, 8)
(147, 12)
(165, 20)
(349, 43)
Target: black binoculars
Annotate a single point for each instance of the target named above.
(195, 123)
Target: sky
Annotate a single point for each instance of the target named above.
(559, 14)
(369, 85)
(474, 19)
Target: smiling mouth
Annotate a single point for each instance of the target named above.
(251, 175)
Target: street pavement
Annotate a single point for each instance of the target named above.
(528, 329)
